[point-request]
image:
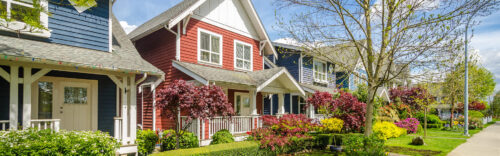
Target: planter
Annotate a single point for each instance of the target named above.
(334, 148)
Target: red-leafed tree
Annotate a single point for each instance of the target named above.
(198, 102)
(321, 101)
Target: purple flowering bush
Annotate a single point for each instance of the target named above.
(410, 124)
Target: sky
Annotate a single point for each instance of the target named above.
(486, 36)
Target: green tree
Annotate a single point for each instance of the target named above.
(387, 36)
(495, 105)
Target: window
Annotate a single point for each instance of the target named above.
(75, 95)
(302, 106)
(18, 9)
(319, 69)
(45, 92)
(209, 47)
(242, 55)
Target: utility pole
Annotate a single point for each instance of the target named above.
(466, 88)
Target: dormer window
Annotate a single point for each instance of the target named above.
(209, 47)
(319, 70)
(17, 10)
(242, 55)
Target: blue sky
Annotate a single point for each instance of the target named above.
(486, 40)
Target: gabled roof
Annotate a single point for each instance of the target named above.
(174, 15)
(124, 56)
(312, 88)
(260, 79)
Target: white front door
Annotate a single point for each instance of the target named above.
(73, 101)
(242, 104)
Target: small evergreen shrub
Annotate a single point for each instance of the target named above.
(431, 118)
(146, 141)
(186, 140)
(356, 145)
(222, 136)
(384, 130)
(47, 142)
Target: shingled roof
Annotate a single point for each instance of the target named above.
(312, 88)
(124, 55)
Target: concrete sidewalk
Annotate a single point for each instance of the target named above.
(484, 143)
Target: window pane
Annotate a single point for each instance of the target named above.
(238, 104)
(205, 56)
(215, 58)
(239, 51)
(19, 12)
(246, 102)
(239, 63)
(247, 53)
(75, 95)
(205, 41)
(247, 65)
(45, 100)
(215, 44)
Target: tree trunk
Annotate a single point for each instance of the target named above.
(425, 122)
(452, 110)
(369, 111)
(178, 127)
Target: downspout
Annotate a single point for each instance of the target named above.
(177, 40)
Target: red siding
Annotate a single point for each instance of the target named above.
(189, 44)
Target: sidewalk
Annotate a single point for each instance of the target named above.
(484, 143)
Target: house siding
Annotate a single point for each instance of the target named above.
(307, 70)
(287, 103)
(89, 29)
(289, 61)
(267, 106)
(189, 45)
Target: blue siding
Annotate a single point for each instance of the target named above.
(267, 106)
(275, 104)
(295, 104)
(307, 70)
(287, 103)
(290, 62)
(342, 80)
(88, 29)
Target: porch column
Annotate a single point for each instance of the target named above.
(311, 112)
(125, 136)
(27, 97)
(133, 108)
(13, 100)
(281, 104)
(253, 105)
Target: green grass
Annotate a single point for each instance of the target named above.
(437, 141)
(227, 149)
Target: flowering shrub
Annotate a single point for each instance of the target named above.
(350, 110)
(269, 120)
(287, 134)
(474, 105)
(410, 124)
(331, 125)
(47, 142)
(384, 130)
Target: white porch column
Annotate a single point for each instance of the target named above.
(281, 104)
(311, 112)
(253, 103)
(27, 97)
(125, 136)
(13, 100)
(133, 109)
(153, 90)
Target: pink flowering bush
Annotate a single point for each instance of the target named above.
(410, 124)
(287, 134)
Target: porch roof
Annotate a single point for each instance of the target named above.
(312, 88)
(124, 56)
(259, 79)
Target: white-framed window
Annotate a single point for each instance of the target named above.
(209, 47)
(319, 71)
(242, 55)
(12, 9)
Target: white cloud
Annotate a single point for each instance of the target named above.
(128, 28)
(489, 51)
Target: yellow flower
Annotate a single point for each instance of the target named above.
(332, 125)
(455, 122)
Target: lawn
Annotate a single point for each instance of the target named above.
(438, 142)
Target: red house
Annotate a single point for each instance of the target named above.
(220, 42)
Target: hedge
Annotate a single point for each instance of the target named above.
(323, 140)
(228, 149)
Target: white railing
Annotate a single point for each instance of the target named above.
(4, 124)
(487, 119)
(217, 124)
(46, 124)
(118, 127)
(241, 124)
(193, 128)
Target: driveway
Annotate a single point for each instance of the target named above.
(484, 143)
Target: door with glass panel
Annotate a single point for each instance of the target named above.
(74, 105)
(242, 104)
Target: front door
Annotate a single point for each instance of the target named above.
(73, 101)
(242, 104)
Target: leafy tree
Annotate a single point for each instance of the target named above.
(424, 99)
(495, 105)
(31, 16)
(198, 102)
(388, 36)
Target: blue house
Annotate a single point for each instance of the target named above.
(80, 73)
(314, 73)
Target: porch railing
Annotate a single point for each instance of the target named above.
(118, 127)
(4, 124)
(46, 124)
(235, 125)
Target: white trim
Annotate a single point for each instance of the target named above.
(210, 44)
(178, 43)
(110, 24)
(4, 74)
(186, 12)
(224, 26)
(17, 25)
(191, 74)
(284, 71)
(247, 4)
(325, 68)
(300, 67)
(235, 58)
(13, 99)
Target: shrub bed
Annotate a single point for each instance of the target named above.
(355, 145)
(228, 149)
(384, 130)
(222, 136)
(187, 140)
(146, 141)
(323, 140)
(47, 142)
